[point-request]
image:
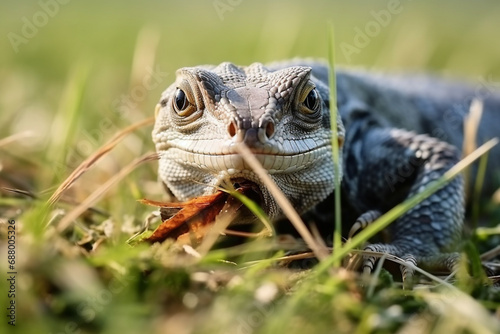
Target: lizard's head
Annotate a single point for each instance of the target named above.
(282, 116)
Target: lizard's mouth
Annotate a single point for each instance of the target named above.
(252, 191)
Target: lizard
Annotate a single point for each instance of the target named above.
(397, 133)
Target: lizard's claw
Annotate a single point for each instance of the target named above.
(442, 262)
(363, 221)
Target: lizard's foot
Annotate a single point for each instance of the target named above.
(441, 262)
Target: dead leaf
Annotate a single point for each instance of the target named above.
(191, 216)
(185, 221)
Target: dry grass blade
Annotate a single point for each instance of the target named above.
(144, 55)
(496, 197)
(222, 221)
(242, 234)
(317, 236)
(491, 254)
(15, 137)
(89, 201)
(471, 125)
(286, 258)
(287, 207)
(87, 163)
(25, 193)
(33, 196)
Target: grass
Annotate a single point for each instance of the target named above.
(337, 233)
(86, 76)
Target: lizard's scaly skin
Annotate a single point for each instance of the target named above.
(281, 111)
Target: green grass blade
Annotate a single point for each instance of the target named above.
(484, 232)
(255, 209)
(69, 112)
(337, 234)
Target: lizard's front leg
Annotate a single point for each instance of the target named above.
(385, 166)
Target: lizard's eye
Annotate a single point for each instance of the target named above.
(181, 101)
(309, 100)
(312, 99)
(182, 104)
(308, 105)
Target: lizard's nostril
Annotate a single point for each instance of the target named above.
(232, 129)
(270, 129)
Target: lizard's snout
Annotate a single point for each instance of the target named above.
(252, 122)
(251, 135)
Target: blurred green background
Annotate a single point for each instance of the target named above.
(75, 72)
(458, 37)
